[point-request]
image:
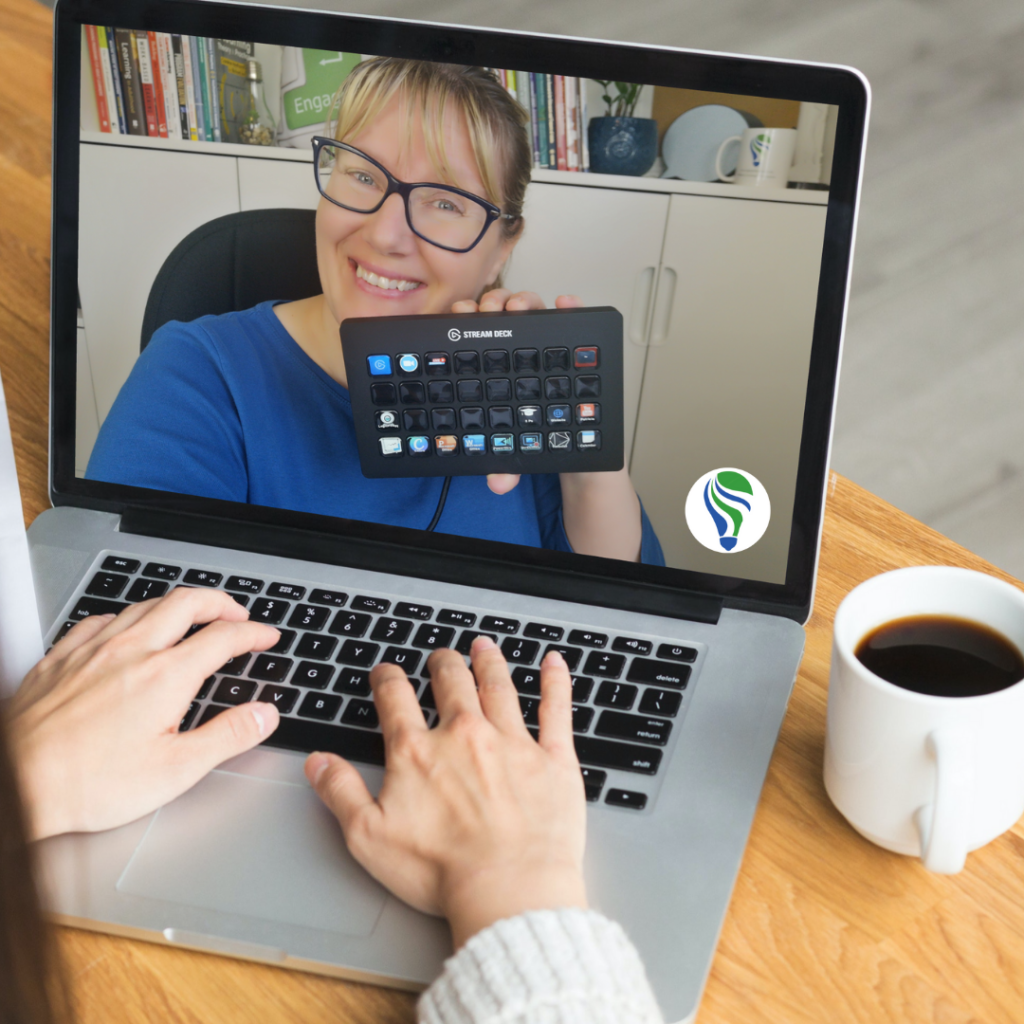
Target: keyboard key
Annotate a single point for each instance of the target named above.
(350, 623)
(467, 362)
(96, 606)
(572, 655)
(288, 591)
(202, 578)
(383, 394)
(115, 563)
(587, 638)
(413, 611)
(626, 798)
(633, 727)
(467, 638)
(242, 599)
(333, 598)
(212, 711)
(609, 666)
(525, 359)
(204, 690)
(270, 667)
(282, 697)
(608, 754)
(285, 641)
(189, 716)
(143, 590)
(660, 702)
(358, 652)
(499, 624)
(557, 387)
(471, 417)
(454, 618)
(244, 583)
(499, 389)
(269, 610)
(316, 645)
(234, 691)
(581, 687)
(556, 359)
(308, 616)
(361, 712)
(664, 673)
(616, 695)
(404, 657)
(529, 707)
(496, 361)
(306, 736)
(353, 681)
(629, 645)
(440, 391)
(63, 631)
(527, 680)
(519, 651)
(433, 638)
(675, 652)
(371, 604)
(581, 718)
(585, 358)
(391, 630)
(593, 780)
(427, 698)
(437, 363)
(106, 584)
(320, 705)
(235, 666)
(158, 571)
(588, 385)
(541, 631)
(314, 674)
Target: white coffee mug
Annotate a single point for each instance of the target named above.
(765, 157)
(923, 775)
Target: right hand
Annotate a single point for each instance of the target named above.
(475, 820)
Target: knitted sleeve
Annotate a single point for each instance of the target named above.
(566, 966)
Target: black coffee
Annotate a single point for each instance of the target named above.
(942, 656)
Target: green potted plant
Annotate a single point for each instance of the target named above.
(619, 142)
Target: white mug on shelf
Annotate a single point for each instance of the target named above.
(765, 157)
(916, 773)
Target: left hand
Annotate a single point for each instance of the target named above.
(493, 302)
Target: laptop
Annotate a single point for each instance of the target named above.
(188, 215)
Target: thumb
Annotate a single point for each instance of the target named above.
(341, 788)
(234, 731)
(502, 483)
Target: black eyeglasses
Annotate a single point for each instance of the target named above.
(442, 215)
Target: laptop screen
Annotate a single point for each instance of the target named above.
(284, 253)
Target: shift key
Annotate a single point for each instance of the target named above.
(664, 673)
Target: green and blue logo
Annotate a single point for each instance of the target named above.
(727, 510)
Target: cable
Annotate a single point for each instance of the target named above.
(440, 503)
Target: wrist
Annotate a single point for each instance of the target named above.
(43, 796)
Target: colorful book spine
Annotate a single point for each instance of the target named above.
(510, 82)
(211, 78)
(153, 54)
(542, 120)
(98, 85)
(131, 90)
(197, 88)
(203, 86)
(106, 35)
(572, 135)
(534, 109)
(190, 90)
(558, 89)
(169, 85)
(140, 52)
(178, 55)
(584, 144)
(549, 85)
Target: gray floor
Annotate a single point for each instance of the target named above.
(929, 414)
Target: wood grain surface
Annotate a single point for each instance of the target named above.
(823, 926)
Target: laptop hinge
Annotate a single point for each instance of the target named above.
(493, 574)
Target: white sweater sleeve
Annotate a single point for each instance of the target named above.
(565, 966)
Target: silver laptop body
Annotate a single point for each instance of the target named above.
(663, 846)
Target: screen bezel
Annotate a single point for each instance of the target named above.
(588, 579)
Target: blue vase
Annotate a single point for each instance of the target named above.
(622, 145)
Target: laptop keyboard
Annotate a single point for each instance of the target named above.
(629, 693)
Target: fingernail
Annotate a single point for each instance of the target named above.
(483, 643)
(316, 765)
(555, 659)
(257, 713)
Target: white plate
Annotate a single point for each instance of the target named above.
(692, 140)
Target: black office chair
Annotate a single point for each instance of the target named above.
(234, 263)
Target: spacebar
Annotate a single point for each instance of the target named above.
(352, 744)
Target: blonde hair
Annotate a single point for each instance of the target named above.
(495, 121)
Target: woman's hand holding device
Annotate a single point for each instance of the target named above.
(475, 820)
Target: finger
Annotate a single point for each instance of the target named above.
(80, 633)
(341, 788)
(465, 306)
(525, 300)
(231, 733)
(502, 483)
(205, 652)
(498, 696)
(494, 301)
(164, 622)
(395, 699)
(453, 685)
(555, 712)
(568, 302)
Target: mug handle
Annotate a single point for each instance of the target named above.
(718, 158)
(942, 824)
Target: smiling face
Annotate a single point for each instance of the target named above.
(373, 264)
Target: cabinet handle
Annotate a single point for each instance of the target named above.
(643, 292)
(663, 305)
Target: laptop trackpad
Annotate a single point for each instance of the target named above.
(251, 846)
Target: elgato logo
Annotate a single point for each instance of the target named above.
(456, 335)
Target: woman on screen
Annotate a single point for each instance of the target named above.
(254, 407)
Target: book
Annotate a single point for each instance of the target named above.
(549, 86)
(106, 37)
(203, 85)
(197, 88)
(584, 144)
(558, 88)
(231, 70)
(211, 78)
(140, 53)
(542, 120)
(178, 57)
(98, 84)
(534, 109)
(158, 84)
(169, 84)
(131, 90)
(190, 89)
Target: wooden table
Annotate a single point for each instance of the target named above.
(823, 926)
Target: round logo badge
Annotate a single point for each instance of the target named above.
(454, 334)
(727, 510)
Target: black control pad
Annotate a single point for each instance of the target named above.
(528, 391)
